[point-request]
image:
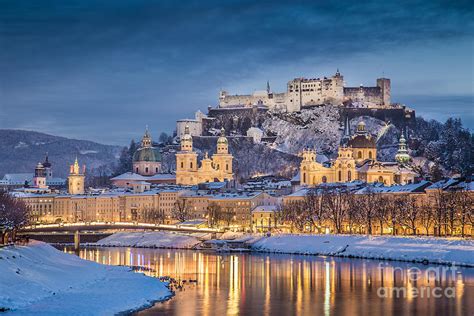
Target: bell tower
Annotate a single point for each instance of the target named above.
(222, 160)
(186, 161)
(76, 178)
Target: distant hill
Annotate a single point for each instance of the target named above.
(21, 150)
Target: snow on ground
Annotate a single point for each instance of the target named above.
(433, 250)
(40, 280)
(149, 240)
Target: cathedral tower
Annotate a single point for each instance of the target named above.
(222, 160)
(186, 161)
(76, 178)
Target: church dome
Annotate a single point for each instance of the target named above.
(362, 141)
(150, 154)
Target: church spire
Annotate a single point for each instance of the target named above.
(146, 140)
(402, 155)
(268, 86)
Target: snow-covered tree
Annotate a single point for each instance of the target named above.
(13, 215)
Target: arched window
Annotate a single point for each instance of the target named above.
(146, 169)
(227, 167)
(340, 175)
(349, 176)
(381, 179)
(136, 169)
(370, 155)
(182, 164)
(304, 177)
(359, 155)
(324, 179)
(191, 165)
(156, 169)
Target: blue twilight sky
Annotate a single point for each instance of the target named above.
(102, 70)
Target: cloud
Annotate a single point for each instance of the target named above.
(117, 60)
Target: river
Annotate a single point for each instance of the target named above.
(277, 284)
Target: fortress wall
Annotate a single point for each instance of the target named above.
(399, 117)
(364, 94)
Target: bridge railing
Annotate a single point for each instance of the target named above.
(112, 225)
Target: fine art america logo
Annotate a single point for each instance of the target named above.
(420, 283)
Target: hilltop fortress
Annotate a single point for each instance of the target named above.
(307, 92)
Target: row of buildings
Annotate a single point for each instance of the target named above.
(248, 210)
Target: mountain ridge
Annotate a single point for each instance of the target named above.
(21, 150)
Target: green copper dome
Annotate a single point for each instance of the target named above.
(151, 154)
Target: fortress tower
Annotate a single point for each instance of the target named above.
(76, 178)
(384, 85)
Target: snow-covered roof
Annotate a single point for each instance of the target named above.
(129, 176)
(265, 209)
(18, 178)
(162, 176)
(296, 178)
(407, 188)
(443, 184)
(236, 196)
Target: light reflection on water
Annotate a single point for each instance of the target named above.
(270, 284)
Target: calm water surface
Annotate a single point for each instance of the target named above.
(272, 284)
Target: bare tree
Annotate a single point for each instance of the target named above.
(426, 216)
(369, 208)
(410, 212)
(13, 215)
(440, 205)
(336, 202)
(214, 214)
(181, 211)
(153, 215)
(464, 205)
(294, 214)
(315, 214)
(383, 210)
(451, 216)
(354, 211)
(227, 215)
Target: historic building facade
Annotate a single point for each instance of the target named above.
(357, 160)
(216, 168)
(303, 92)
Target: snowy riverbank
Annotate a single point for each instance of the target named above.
(421, 249)
(40, 280)
(149, 240)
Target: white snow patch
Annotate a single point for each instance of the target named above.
(85, 152)
(149, 240)
(21, 145)
(40, 280)
(433, 250)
